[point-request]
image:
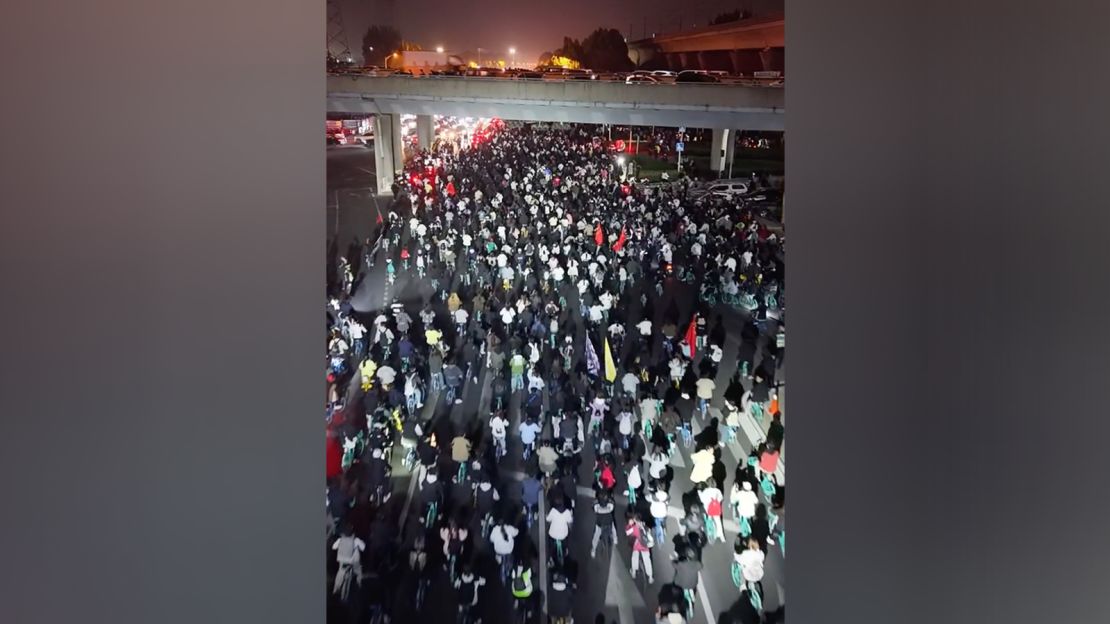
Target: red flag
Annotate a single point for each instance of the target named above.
(379, 218)
(692, 335)
(617, 246)
(599, 236)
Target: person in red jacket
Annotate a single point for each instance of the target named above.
(334, 463)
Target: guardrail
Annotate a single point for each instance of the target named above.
(772, 83)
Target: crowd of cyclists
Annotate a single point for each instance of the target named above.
(590, 315)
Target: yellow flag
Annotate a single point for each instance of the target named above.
(610, 368)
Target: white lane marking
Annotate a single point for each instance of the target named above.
(621, 591)
(707, 608)
(543, 557)
(408, 499)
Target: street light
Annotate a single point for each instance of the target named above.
(512, 53)
(439, 49)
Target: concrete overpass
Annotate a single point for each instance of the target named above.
(723, 107)
(744, 46)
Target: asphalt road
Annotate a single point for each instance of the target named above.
(351, 187)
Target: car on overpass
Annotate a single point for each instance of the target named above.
(690, 75)
(642, 79)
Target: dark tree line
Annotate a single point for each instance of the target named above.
(603, 50)
(731, 16)
(378, 43)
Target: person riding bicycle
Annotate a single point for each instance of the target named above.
(348, 552)
(530, 491)
(606, 478)
(418, 555)
(521, 586)
(378, 472)
(749, 559)
(687, 566)
(467, 585)
(605, 520)
(499, 426)
(712, 500)
(559, 520)
(431, 497)
(560, 601)
(528, 430)
(454, 537)
(460, 452)
(672, 603)
(503, 538)
(643, 540)
(547, 458)
(485, 496)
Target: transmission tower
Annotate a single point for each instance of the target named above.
(337, 37)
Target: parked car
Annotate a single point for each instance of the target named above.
(723, 188)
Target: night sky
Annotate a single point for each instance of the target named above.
(532, 27)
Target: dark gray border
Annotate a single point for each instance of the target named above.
(163, 225)
(162, 260)
(948, 301)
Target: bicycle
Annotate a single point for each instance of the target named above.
(689, 594)
(346, 573)
(687, 435)
(605, 543)
(465, 615)
(505, 562)
(431, 514)
(421, 591)
(524, 610)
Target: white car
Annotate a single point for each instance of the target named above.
(641, 79)
(725, 188)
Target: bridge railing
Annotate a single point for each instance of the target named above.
(771, 83)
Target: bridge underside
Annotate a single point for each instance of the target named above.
(571, 112)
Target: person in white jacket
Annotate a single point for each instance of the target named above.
(348, 552)
(750, 560)
(744, 501)
(703, 465)
(659, 510)
(712, 500)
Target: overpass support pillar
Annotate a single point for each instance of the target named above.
(718, 150)
(734, 58)
(425, 132)
(730, 150)
(766, 59)
(388, 150)
(703, 63)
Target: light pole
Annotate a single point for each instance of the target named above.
(512, 53)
